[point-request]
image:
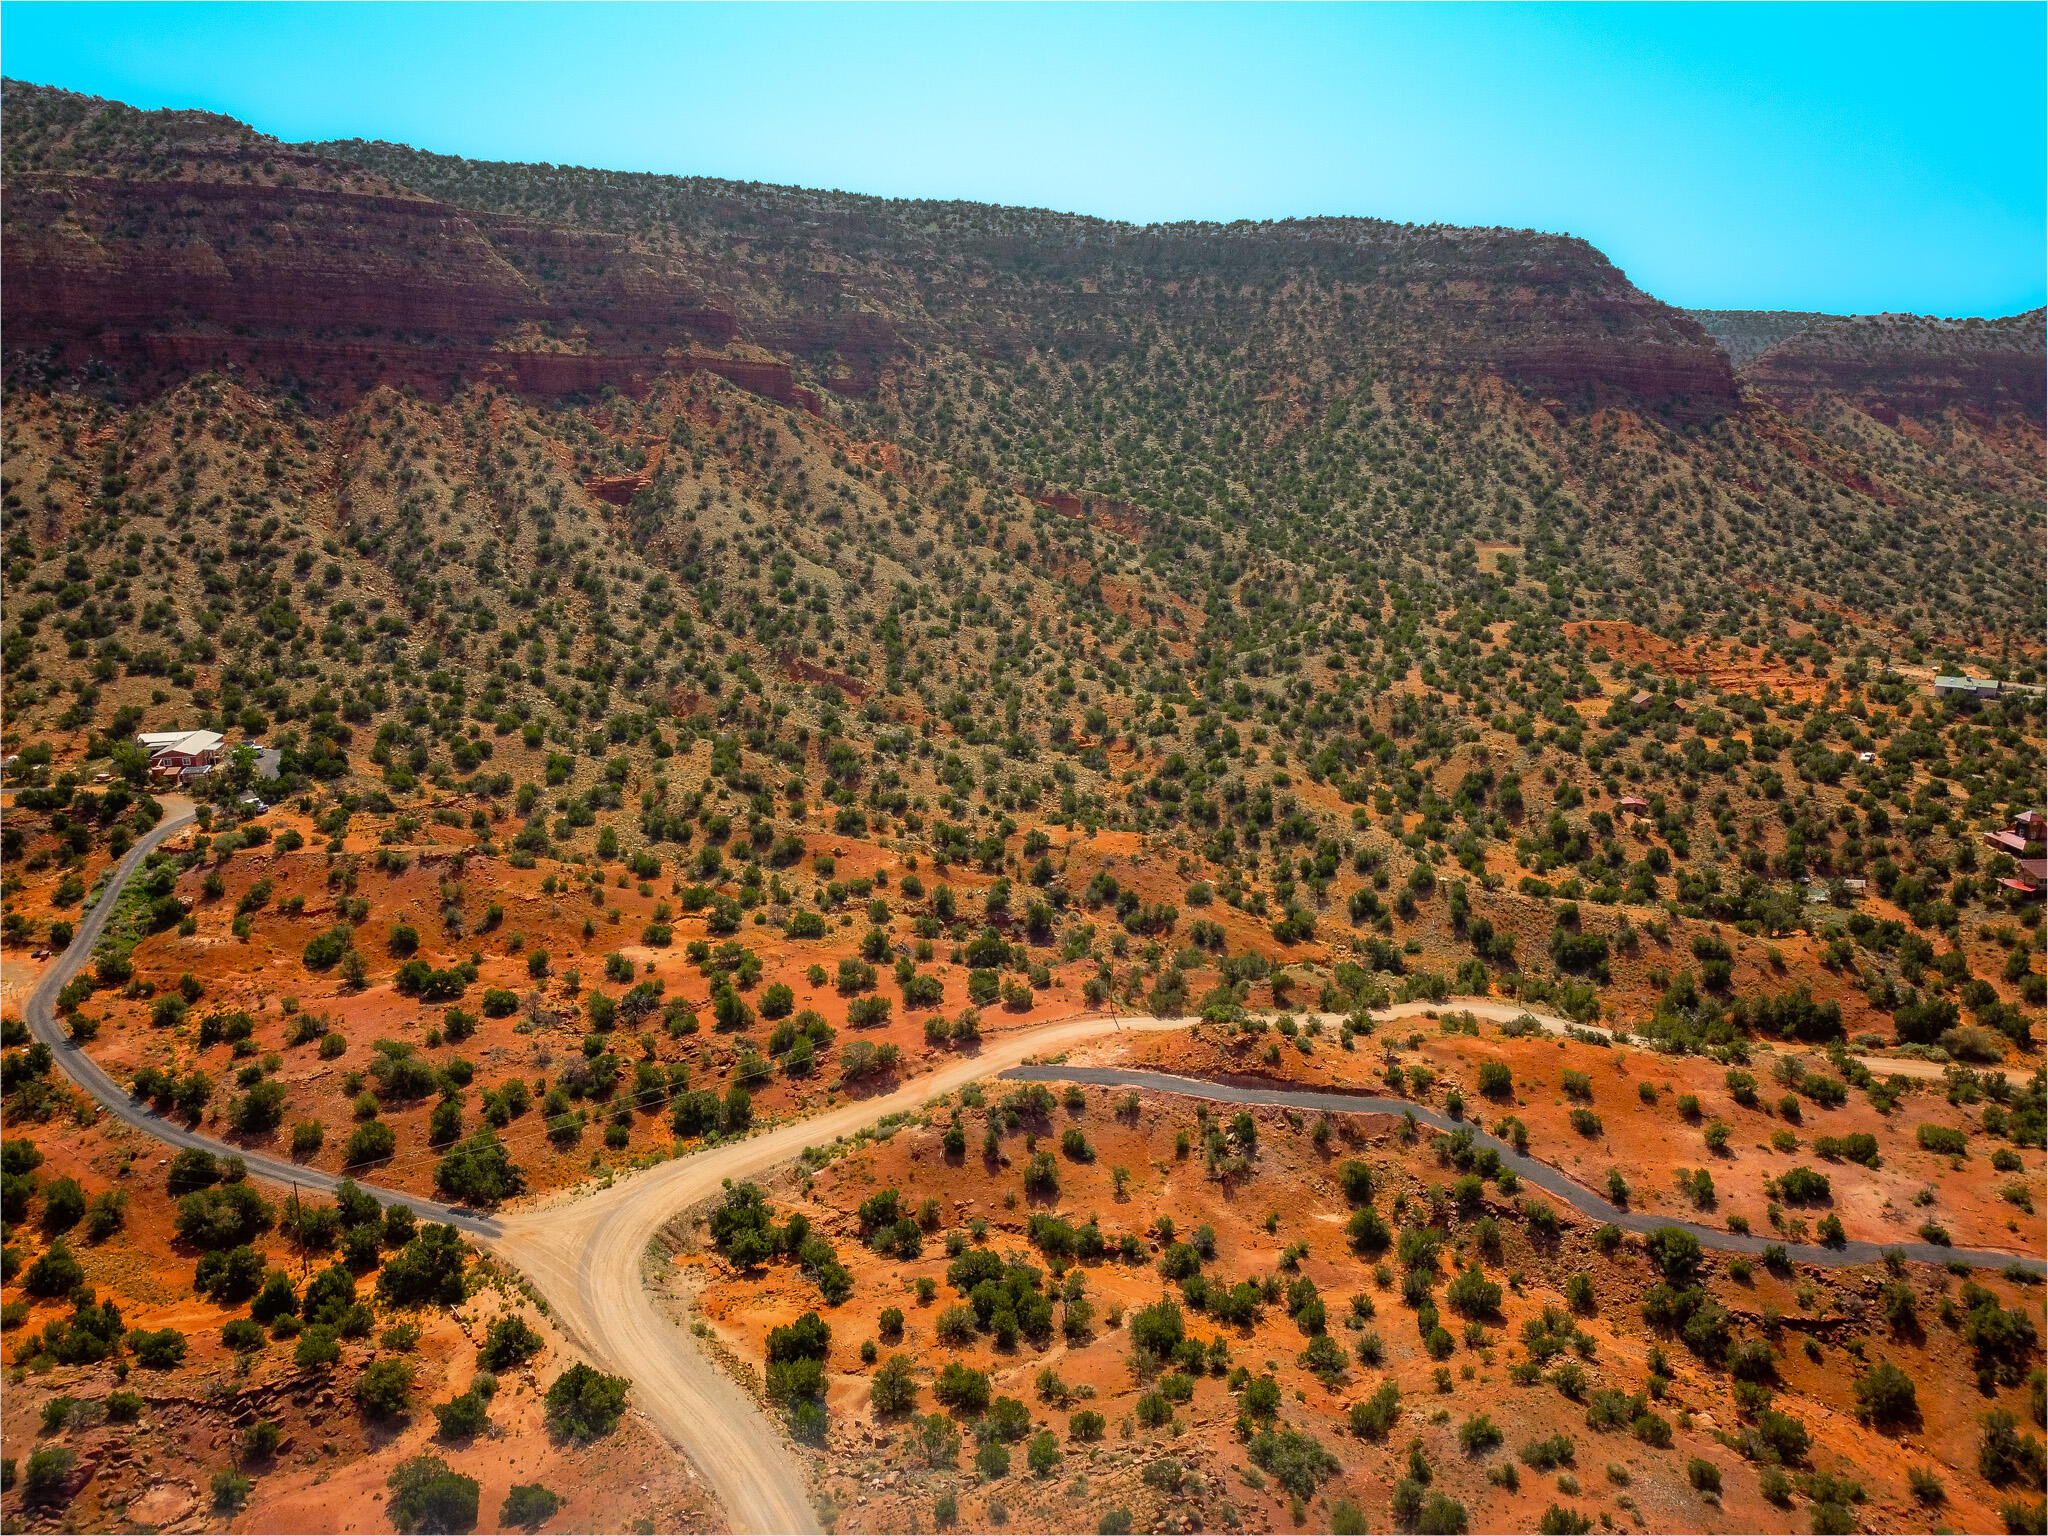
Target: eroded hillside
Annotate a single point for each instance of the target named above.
(728, 650)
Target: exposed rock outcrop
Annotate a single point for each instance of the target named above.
(350, 289)
(1913, 365)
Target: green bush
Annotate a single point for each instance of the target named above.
(56, 1273)
(1945, 1139)
(1297, 1462)
(508, 1343)
(584, 1404)
(1375, 1417)
(1885, 1395)
(427, 1495)
(231, 1490)
(1479, 1434)
(894, 1388)
(48, 1470)
(528, 1506)
(224, 1217)
(160, 1349)
(1802, 1186)
(962, 1388)
(479, 1171)
(384, 1390)
(463, 1417)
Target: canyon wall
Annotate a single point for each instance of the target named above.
(1911, 365)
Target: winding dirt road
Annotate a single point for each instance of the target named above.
(587, 1250)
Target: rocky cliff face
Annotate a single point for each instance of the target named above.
(351, 263)
(1911, 365)
(347, 287)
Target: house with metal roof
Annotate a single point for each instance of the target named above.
(174, 751)
(1966, 687)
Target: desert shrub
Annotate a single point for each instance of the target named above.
(584, 1404)
(528, 1506)
(894, 1388)
(2006, 1454)
(1473, 1295)
(1944, 1139)
(962, 1388)
(384, 1390)
(479, 1171)
(428, 1269)
(223, 1217)
(1803, 1186)
(1885, 1395)
(508, 1343)
(44, 1479)
(1479, 1434)
(230, 1490)
(159, 1349)
(428, 1495)
(1355, 1178)
(463, 1417)
(1543, 1455)
(1297, 1462)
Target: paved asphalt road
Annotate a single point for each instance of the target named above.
(585, 1249)
(1527, 1168)
(41, 1013)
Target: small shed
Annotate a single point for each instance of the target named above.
(1641, 699)
(2006, 842)
(1634, 805)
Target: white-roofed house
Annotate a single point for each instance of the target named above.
(177, 752)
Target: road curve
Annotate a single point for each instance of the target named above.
(40, 1010)
(585, 1254)
(585, 1250)
(1529, 1169)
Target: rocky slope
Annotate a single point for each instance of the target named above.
(289, 260)
(1913, 365)
(1887, 365)
(1746, 334)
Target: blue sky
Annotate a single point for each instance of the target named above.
(1841, 157)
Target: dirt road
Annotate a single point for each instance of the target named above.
(585, 1252)
(587, 1249)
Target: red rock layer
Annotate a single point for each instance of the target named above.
(1910, 365)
